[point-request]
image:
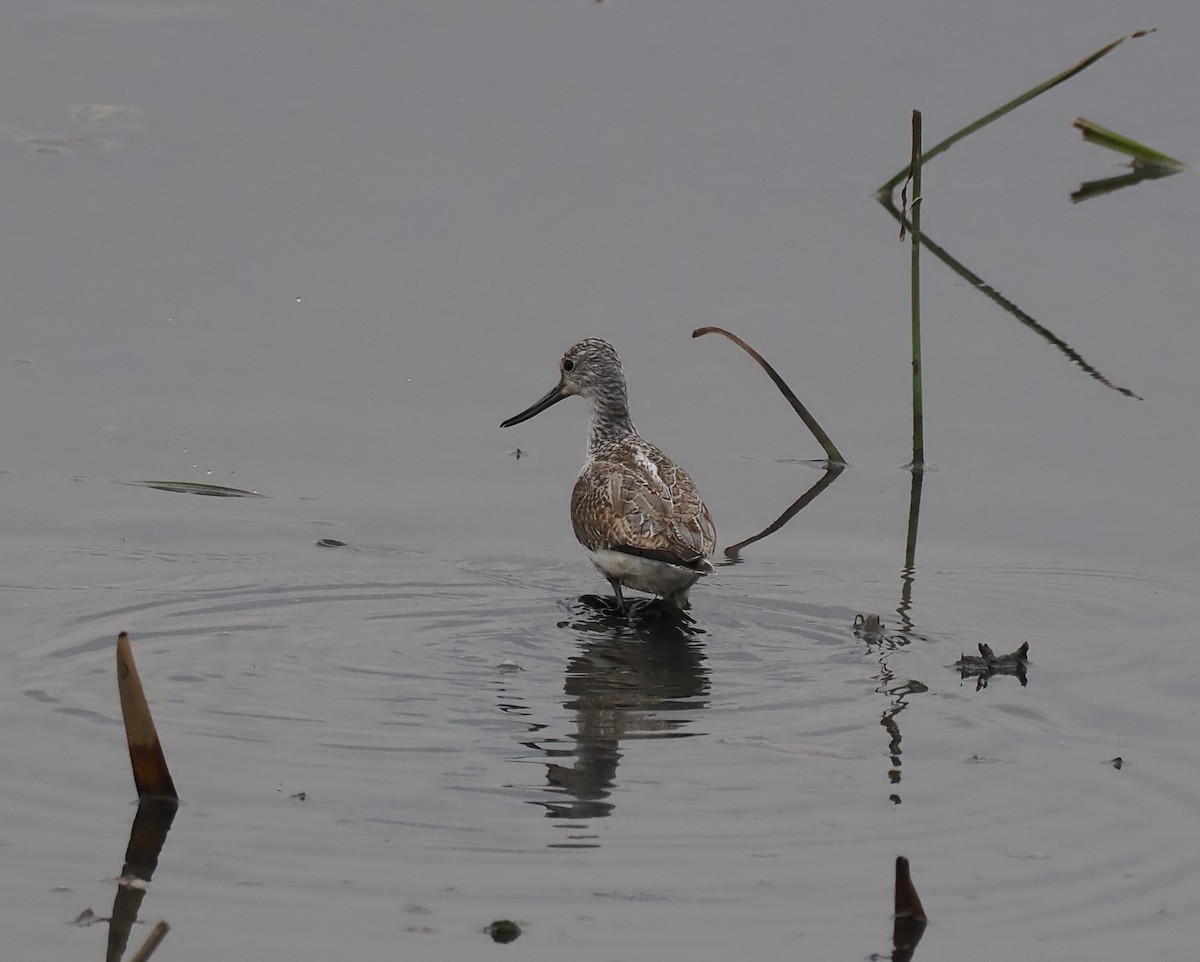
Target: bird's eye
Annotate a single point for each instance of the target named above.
(568, 364)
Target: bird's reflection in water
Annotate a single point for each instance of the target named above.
(635, 675)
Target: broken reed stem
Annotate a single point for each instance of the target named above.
(831, 451)
(999, 112)
(918, 458)
(1139, 154)
(153, 941)
(151, 776)
(908, 921)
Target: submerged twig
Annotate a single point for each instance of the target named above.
(835, 456)
(999, 112)
(153, 941)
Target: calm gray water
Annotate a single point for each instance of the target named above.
(320, 251)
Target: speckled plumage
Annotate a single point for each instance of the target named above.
(636, 511)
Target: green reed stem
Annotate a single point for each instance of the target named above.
(999, 112)
(918, 458)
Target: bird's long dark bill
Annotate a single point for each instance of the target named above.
(553, 396)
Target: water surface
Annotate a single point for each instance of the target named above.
(321, 253)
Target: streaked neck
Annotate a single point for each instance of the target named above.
(610, 419)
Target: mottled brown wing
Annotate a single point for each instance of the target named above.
(635, 499)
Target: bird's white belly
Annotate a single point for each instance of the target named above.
(643, 574)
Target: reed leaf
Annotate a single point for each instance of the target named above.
(1012, 105)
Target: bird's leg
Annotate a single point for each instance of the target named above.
(616, 585)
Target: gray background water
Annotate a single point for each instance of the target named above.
(321, 250)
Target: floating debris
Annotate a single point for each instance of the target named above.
(85, 918)
(987, 663)
(331, 543)
(1118, 763)
(195, 487)
(503, 931)
(869, 627)
(989, 659)
(518, 454)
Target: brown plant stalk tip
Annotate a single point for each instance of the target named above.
(908, 903)
(151, 776)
